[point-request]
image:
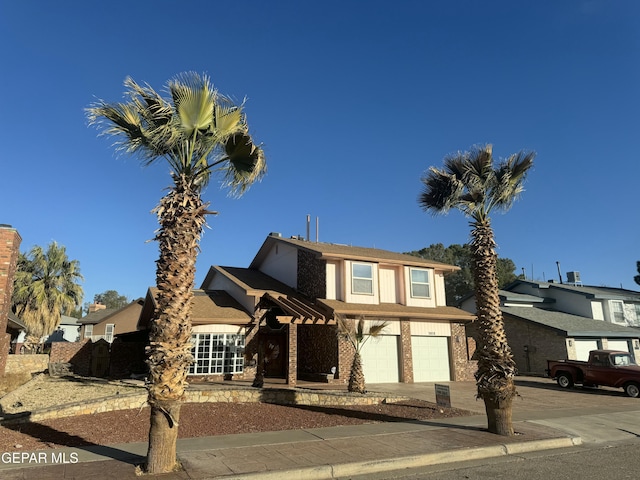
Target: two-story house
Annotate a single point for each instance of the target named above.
(106, 323)
(295, 290)
(546, 320)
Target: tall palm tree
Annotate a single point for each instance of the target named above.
(198, 132)
(45, 287)
(354, 332)
(470, 182)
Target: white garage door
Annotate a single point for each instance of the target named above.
(380, 359)
(430, 359)
(622, 345)
(583, 347)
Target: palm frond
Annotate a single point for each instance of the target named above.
(246, 163)
(441, 192)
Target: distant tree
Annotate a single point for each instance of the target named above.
(460, 284)
(637, 277)
(472, 184)
(111, 299)
(45, 287)
(354, 332)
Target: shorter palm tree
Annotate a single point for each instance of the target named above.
(354, 332)
(45, 287)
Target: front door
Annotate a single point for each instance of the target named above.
(275, 353)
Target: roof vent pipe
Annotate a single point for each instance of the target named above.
(559, 274)
(317, 228)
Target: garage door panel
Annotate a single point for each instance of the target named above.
(622, 345)
(430, 359)
(583, 347)
(380, 359)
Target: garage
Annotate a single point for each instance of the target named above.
(622, 345)
(380, 359)
(430, 359)
(583, 347)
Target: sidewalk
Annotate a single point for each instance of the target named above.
(337, 452)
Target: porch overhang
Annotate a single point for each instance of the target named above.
(295, 310)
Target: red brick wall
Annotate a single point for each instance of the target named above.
(77, 354)
(9, 252)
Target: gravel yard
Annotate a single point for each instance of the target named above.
(196, 420)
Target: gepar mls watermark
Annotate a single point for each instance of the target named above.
(40, 458)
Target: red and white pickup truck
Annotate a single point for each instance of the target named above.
(609, 368)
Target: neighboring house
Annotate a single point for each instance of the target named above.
(613, 305)
(67, 331)
(547, 321)
(16, 329)
(107, 323)
(294, 290)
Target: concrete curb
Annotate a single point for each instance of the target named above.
(322, 472)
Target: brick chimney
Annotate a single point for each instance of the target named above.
(9, 251)
(94, 307)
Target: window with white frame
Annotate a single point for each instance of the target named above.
(617, 311)
(217, 353)
(109, 330)
(88, 331)
(420, 283)
(362, 278)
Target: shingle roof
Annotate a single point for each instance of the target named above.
(571, 325)
(210, 307)
(15, 322)
(588, 290)
(98, 316)
(253, 281)
(397, 310)
(334, 250)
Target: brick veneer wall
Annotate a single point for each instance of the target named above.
(346, 352)
(78, 354)
(317, 348)
(542, 344)
(312, 275)
(406, 352)
(292, 365)
(464, 368)
(9, 252)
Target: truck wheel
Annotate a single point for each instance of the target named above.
(565, 380)
(632, 389)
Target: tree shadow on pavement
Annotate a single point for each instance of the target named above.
(373, 417)
(57, 439)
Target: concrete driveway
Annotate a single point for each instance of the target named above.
(538, 398)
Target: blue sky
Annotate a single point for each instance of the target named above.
(353, 102)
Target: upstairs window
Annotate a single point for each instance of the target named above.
(617, 311)
(420, 283)
(88, 331)
(362, 278)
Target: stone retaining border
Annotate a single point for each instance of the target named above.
(205, 395)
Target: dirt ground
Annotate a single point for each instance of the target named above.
(207, 419)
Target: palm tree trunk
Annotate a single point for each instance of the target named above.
(181, 214)
(356, 378)
(496, 367)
